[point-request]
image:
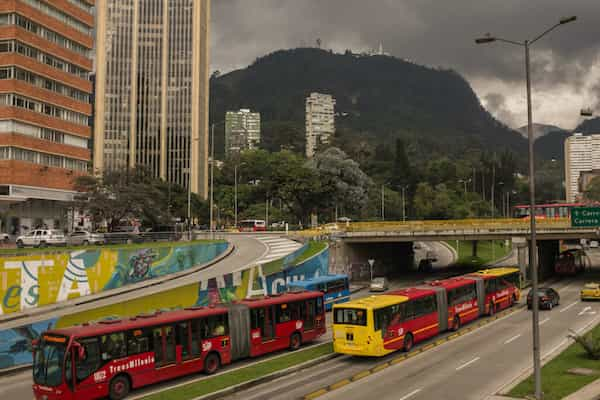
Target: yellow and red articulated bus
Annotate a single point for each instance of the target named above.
(379, 325)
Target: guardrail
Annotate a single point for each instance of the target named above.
(436, 225)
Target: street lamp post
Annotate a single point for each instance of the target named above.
(404, 203)
(533, 249)
(212, 174)
(382, 202)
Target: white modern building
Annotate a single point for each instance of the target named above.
(582, 154)
(320, 121)
(242, 130)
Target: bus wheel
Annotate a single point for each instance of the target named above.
(119, 388)
(492, 309)
(211, 364)
(295, 341)
(456, 324)
(408, 342)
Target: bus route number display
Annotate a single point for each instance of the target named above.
(585, 217)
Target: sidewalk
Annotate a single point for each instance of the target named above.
(589, 392)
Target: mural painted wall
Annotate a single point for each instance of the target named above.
(254, 281)
(41, 279)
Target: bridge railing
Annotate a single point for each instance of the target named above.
(437, 225)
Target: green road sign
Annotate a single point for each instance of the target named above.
(585, 217)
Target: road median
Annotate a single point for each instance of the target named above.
(229, 382)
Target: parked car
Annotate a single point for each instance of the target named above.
(4, 238)
(593, 244)
(548, 298)
(42, 238)
(77, 238)
(590, 291)
(378, 285)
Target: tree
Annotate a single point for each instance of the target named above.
(135, 195)
(592, 191)
(345, 184)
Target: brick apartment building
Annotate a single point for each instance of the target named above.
(46, 58)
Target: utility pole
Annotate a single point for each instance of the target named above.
(382, 203)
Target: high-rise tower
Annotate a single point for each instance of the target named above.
(152, 89)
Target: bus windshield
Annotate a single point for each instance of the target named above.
(48, 363)
(350, 316)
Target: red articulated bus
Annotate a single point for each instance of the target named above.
(462, 300)
(379, 325)
(109, 358)
(569, 263)
(418, 315)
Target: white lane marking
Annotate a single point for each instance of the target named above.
(468, 363)
(544, 321)
(569, 306)
(512, 339)
(587, 310)
(552, 350)
(410, 394)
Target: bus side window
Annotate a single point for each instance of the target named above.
(217, 325)
(283, 313)
(138, 341)
(409, 310)
(91, 360)
(295, 312)
(113, 346)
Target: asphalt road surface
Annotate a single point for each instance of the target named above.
(472, 366)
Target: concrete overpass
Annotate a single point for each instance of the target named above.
(356, 242)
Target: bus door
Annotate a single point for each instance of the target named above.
(164, 346)
(86, 365)
(309, 314)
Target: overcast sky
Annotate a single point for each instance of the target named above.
(566, 64)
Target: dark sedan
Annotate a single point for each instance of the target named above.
(548, 298)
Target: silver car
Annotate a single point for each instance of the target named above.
(378, 285)
(42, 238)
(84, 238)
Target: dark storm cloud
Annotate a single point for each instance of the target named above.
(496, 104)
(431, 32)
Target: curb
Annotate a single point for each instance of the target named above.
(267, 378)
(379, 367)
(116, 292)
(14, 370)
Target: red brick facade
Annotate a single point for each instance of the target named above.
(15, 172)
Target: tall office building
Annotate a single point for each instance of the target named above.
(320, 121)
(242, 130)
(45, 61)
(152, 89)
(582, 153)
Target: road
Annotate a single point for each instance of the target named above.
(444, 257)
(249, 250)
(473, 366)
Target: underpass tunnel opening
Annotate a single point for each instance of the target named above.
(390, 259)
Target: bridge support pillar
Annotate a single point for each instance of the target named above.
(474, 248)
(548, 251)
(521, 246)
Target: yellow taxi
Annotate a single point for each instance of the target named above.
(590, 291)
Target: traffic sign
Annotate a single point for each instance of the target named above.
(371, 262)
(585, 217)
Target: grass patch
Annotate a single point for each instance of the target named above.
(556, 382)
(255, 371)
(487, 252)
(314, 247)
(53, 250)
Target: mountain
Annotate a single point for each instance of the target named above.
(589, 126)
(551, 145)
(378, 98)
(539, 130)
